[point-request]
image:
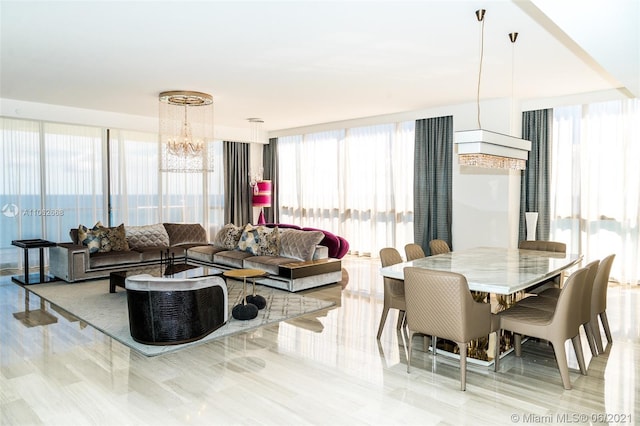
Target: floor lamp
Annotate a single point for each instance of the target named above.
(262, 198)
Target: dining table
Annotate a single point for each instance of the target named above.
(506, 273)
(496, 270)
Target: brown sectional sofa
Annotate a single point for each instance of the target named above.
(74, 261)
(293, 258)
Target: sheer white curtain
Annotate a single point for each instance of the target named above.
(54, 177)
(134, 178)
(357, 183)
(595, 186)
(142, 195)
(51, 181)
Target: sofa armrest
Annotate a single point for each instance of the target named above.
(66, 258)
(321, 252)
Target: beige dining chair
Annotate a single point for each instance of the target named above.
(438, 247)
(543, 246)
(414, 251)
(393, 289)
(599, 302)
(554, 326)
(439, 304)
(552, 246)
(548, 299)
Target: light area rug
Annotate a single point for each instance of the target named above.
(92, 303)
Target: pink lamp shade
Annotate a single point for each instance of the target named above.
(262, 194)
(262, 198)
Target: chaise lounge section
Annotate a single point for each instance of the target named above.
(293, 258)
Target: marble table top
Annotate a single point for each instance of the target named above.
(494, 270)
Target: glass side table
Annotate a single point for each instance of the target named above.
(40, 277)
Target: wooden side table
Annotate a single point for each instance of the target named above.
(246, 310)
(33, 278)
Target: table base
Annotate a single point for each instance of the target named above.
(33, 279)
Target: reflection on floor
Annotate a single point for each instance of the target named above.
(326, 368)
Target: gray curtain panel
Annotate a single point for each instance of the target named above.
(432, 180)
(270, 166)
(535, 181)
(237, 192)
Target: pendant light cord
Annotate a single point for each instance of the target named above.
(481, 19)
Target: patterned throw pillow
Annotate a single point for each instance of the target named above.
(271, 239)
(91, 237)
(116, 239)
(249, 240)
(260, 240)
(100, 239)
(228, 237)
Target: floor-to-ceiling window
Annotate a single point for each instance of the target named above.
(55, 177)
(51, 180)
(595, 189)
(356, 182)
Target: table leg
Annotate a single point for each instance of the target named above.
(41, 264)
(26, 266)
(256, 299)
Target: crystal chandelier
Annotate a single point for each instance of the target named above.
(186, 128)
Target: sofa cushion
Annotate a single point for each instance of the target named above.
(260, 240)
(147, 236)
(156, 253)
(185, 233)
(232, 258)
(113, 258)
(299, 244)
(271, 264)
(228, 236)
(203, 253)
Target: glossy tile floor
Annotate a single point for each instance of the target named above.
(326, 369)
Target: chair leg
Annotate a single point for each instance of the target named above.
(426, 341)
(588, 330)
(577, 347)
(496, 354)
(383, 318)
(605, 324)
(517, 344)
(597, 336)
(434, 344)
(409, 352)
(402, 317)
(561, 359)
(463, 366)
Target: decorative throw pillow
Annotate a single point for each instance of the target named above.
(250, 239)
(299, 245)
(144, 236)
(91, 237)
(116, 239)
(260, 240)
(228, 237)
(270, 242)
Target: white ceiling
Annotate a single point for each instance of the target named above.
(294, 63)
